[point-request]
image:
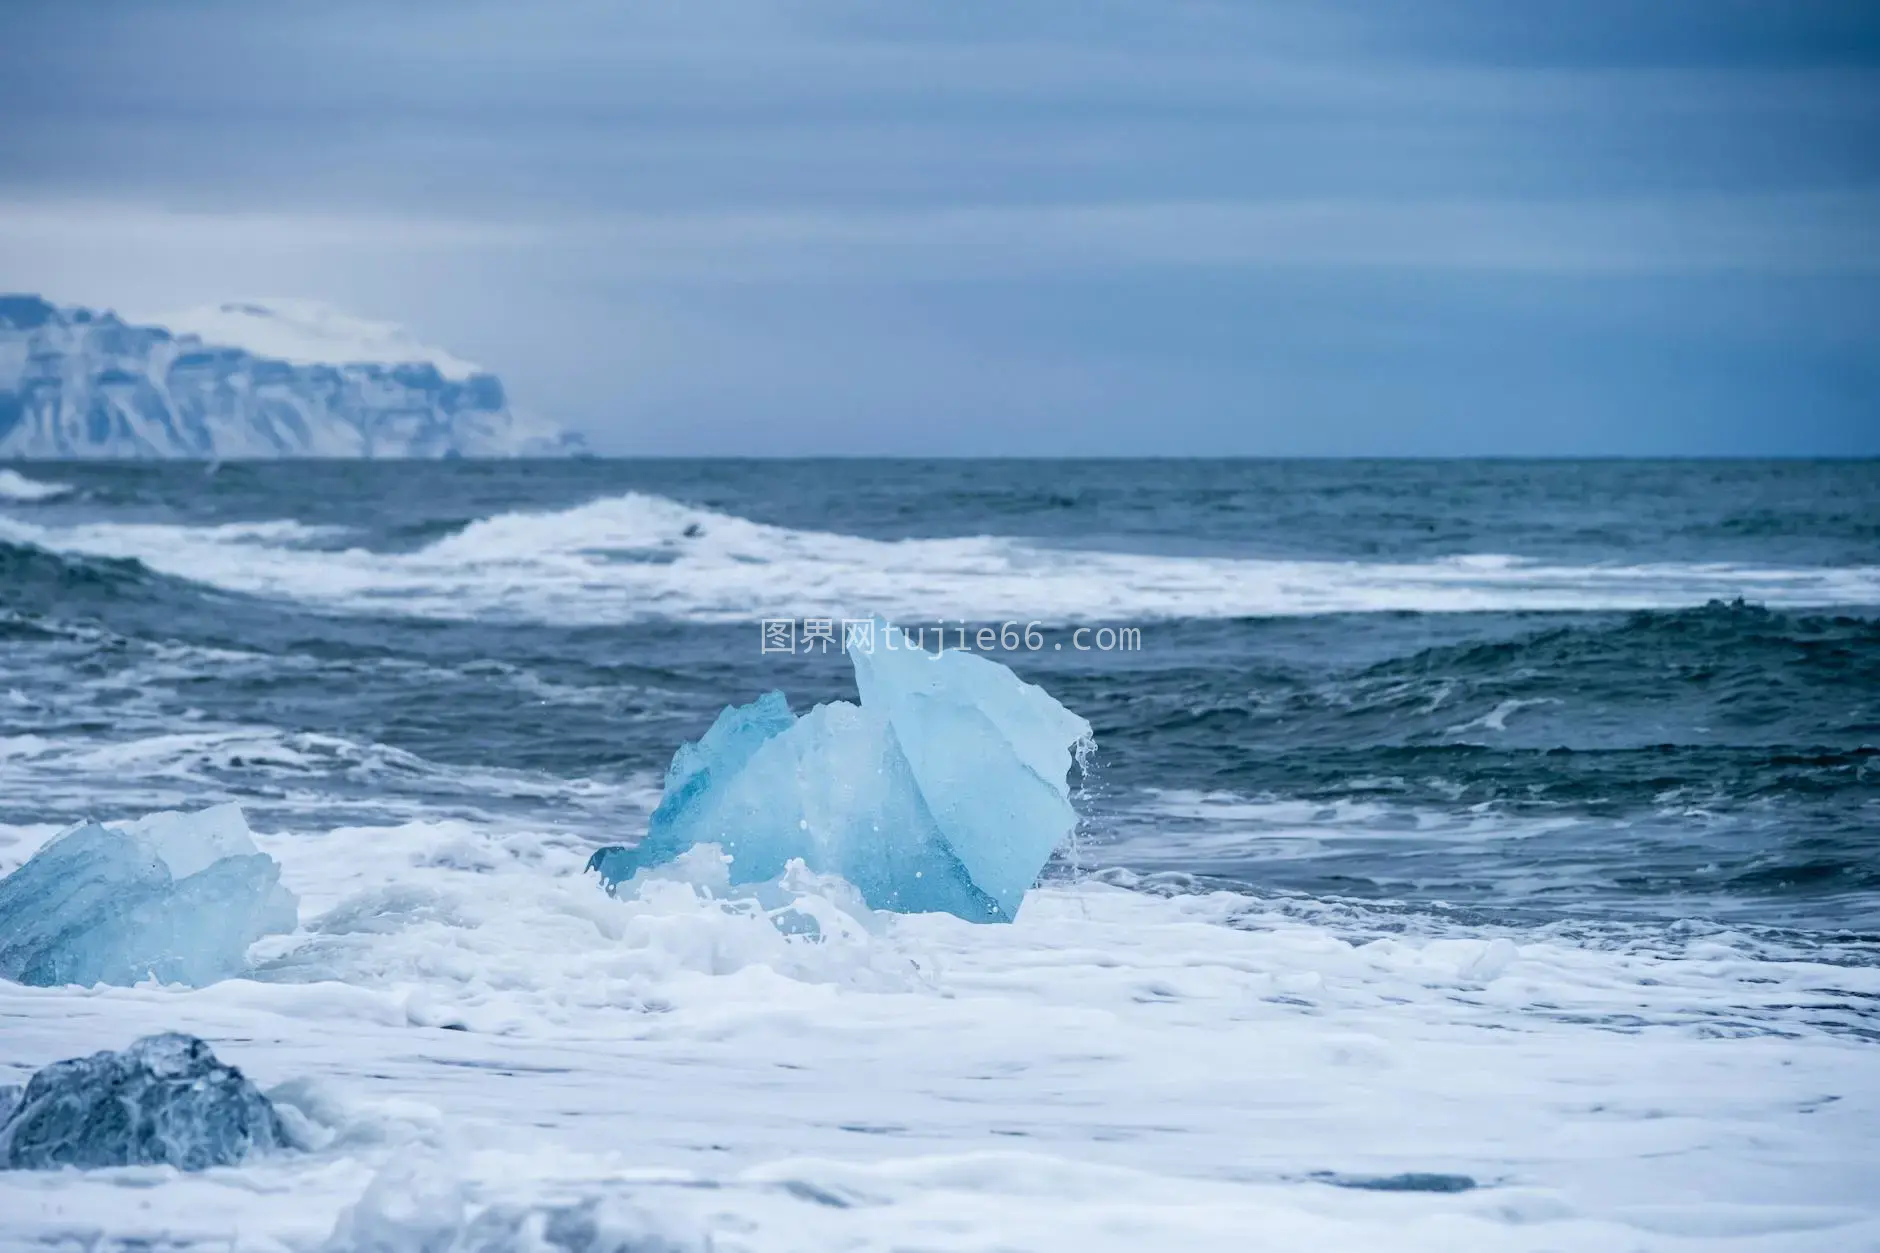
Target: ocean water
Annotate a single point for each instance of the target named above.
(1475, 855)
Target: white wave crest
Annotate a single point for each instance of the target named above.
(16, 487)
(640, 557)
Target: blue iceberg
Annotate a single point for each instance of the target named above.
(945, 789)
(165, 1100)
(178, 897)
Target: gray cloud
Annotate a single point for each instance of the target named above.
(1055, 226)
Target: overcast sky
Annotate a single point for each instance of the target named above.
(1079, 227)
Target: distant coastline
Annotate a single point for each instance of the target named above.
(246, 381)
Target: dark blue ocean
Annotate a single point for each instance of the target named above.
(1606, 695)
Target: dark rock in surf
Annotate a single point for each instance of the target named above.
(165, 1100)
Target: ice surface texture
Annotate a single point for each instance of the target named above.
(165, 1100)
(176, 896)
(944, 790)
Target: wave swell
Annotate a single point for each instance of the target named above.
(640, 557)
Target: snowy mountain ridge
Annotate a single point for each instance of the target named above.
(310, 332)
(246, 379)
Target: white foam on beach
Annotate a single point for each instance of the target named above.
(468, 1018)
(638, 557)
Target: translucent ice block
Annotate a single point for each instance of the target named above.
(945, 789)
(176, 896)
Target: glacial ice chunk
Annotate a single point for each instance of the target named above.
(165, 1100)
(698, 769)
(189, 843)
(990, 755)
(176, 896)
(945, 789)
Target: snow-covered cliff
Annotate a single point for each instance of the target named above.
(252, 379)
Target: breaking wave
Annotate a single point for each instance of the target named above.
(17, 488)
(640, 557)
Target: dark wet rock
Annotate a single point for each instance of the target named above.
(165, 1100)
